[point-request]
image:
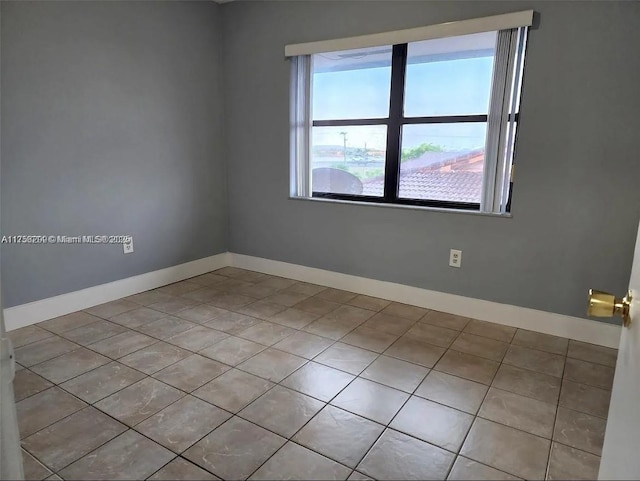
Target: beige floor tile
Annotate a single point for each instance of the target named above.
(305, 288)
(256, 291)
(201, 313)
(34, 469)
(541, 342)
(287, 299)
(407, 311)
(129, 456)
(181, 469)
(198, 338)
(507, 449)
(233, 390)
(413, 350)
(266, 333)
(68, 322)
(261, 309)
(94, 332)
(528, 383)
(395, 373)
(388, 323)
(445, 319)
(520, 412)
(319, 381)
(371, 339)
(467, 366)
(139, 401)
(138, 317)
(45, 408)
(155, 357)
(464, 469)
(398, 456)
(232, 322)
(71, 438)
(204, 294)
(589, 373)
(591, 353)
(331, 328)
(191, 373)
(336, 295)
(438, 336)
(579, 430)
(112, 309)
(356, 476)
(208, 279)
(43, 350)
(233, 350)
(232, 285)
(432, 422)
(315, 305)
(304, 344)
(166, 327)
(122, 344)
(371, 400)
(586, 399)
(27, 335)
(535, 360)
(480, 346)
(272, 364)
(102, 382)
(27, 383)
(351, 314)
(149, 297)
(235, 449)
(282, 411)
(69, 365)
(294, 318)
(346, 358)
(179, 288)
(491, 330)
(453, 391)
(183, 423)
(228, 300)
(278, 283)
(339, 435)
(296, 462)
(570, 463)
(367, 302)
(175, 305)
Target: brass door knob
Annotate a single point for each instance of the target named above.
(603, 304)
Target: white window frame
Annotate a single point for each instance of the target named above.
(501, 119)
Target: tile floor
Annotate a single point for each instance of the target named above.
(236, 374)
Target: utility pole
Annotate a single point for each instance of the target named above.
(344, 145)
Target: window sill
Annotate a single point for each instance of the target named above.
(401, 206)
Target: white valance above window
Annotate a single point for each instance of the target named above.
(449, 29)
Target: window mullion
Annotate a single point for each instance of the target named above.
(394, 128)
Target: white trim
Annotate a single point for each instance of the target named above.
(37, 311)
(449, 29)
(585, 330)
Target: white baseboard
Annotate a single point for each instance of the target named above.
(576, 328)
(37, 311)
(580, 329)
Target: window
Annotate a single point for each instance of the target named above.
(428, 122)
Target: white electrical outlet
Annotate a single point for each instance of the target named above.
(455, 258)
(127, 245)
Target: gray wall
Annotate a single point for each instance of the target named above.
(111, 124)
(576, 201)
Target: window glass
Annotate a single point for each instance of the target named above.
(449, 76)
(442, 161)
(351, 84)
(343, 158)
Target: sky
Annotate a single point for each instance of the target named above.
(451, 87)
